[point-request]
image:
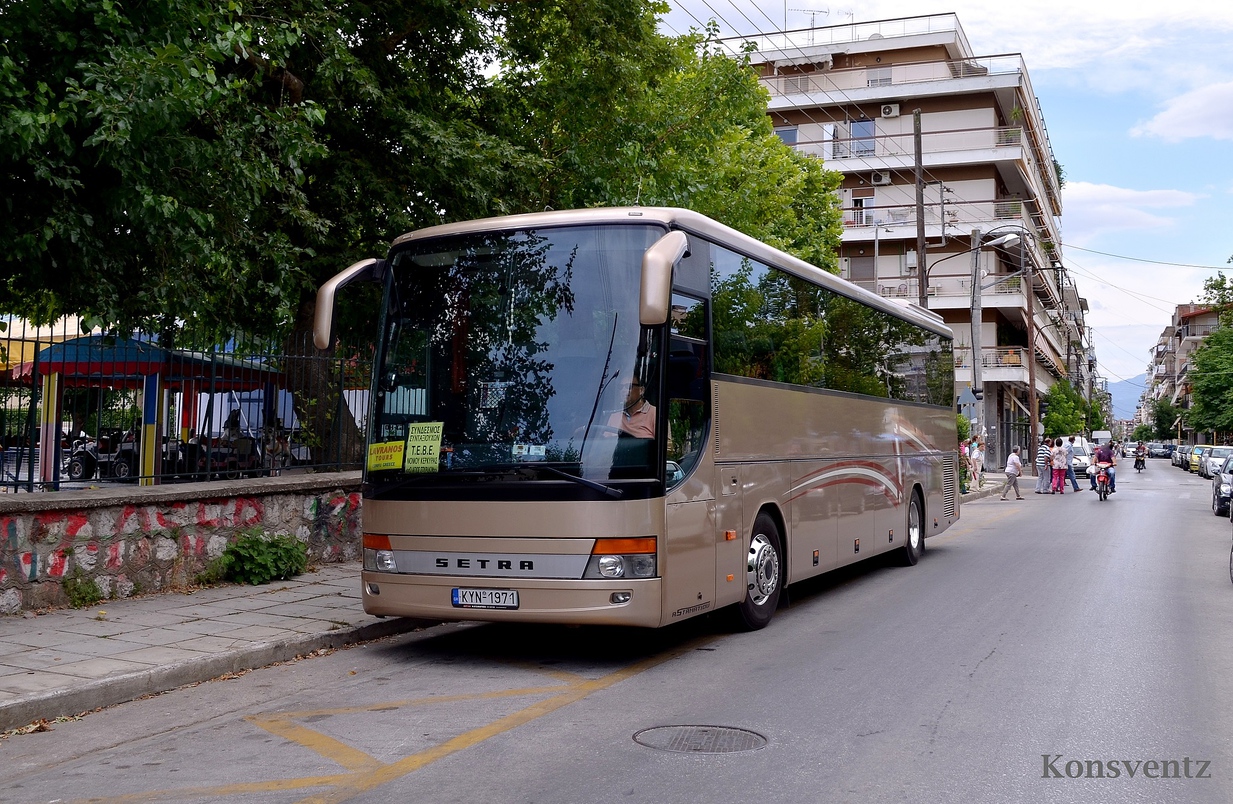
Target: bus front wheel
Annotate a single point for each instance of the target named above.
(914, 543)
(763, 575)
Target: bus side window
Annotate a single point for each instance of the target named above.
(687, 373)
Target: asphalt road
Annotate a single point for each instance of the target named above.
(1036, 644)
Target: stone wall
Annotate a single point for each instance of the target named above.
(133, 540)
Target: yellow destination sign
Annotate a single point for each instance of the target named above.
(386, 455)
(423, 452)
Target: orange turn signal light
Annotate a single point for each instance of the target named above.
(373, 541)
(623, 546)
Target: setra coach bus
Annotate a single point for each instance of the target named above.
(632, 416)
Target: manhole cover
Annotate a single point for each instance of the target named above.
(700, 739)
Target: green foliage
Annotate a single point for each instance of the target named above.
(214, 573)
(1142, 433)
(1067, 410)
(256, 557)
(1163, 417)
(189, 167)
(963, 427)
(82, 592)
(1211, 378)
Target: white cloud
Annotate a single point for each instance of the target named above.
(1095, 209)
(1203, 112)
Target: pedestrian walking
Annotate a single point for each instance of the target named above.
(1014, 468)
(978, 463)
(1070, 463)
(1044, 461)
(1059, 468)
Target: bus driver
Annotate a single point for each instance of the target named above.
(638, 416)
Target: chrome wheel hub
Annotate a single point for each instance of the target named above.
(914, 526)
(761, 570)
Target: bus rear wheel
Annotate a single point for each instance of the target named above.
(914, 541)
(763, 575)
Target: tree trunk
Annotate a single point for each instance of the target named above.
(316, 380)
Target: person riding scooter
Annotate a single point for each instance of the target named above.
(1140, 457)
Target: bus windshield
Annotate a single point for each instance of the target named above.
(517, 355)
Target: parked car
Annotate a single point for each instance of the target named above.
(1181, 456)
(1083, 459)
(1196, 456)
(1157, 450)
(1222, 488)
(1212, 461)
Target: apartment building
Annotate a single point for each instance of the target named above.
(848, 94)
(1168, 374)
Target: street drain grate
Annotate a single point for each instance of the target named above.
(700, 739)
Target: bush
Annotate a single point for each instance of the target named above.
(256, 557)
(82, 592)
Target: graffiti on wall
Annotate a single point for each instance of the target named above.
(163, 543)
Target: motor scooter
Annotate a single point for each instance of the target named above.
(1140, 463)
(1102, 480)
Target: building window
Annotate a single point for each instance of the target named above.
(878, 76)
(863, 272)
(863, 137)
(787, 134)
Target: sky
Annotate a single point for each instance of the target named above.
(1138, 101)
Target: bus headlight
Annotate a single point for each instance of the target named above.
(379, 561)
(622, 558)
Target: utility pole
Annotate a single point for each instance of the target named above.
(922, 278)
(976, 314)
(1029, 280)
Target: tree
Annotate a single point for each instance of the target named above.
(1142, 433)
(1067, 410)
(1164, 415)
(188, 168)
(149, 155)
(1211, 378)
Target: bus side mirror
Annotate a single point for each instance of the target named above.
(657, 262)
(369, 270)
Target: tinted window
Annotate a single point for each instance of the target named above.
(770, 325)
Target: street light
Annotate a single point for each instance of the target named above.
(976, 314)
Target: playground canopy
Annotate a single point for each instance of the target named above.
(101, 360)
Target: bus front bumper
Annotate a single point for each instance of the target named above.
(539, 601)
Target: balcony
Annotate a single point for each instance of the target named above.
(896, 151)
(849, 80)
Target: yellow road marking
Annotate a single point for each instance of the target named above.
(366, 772)
(365, 781)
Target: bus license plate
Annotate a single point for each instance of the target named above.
(485, 598)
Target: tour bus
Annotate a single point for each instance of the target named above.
(633, 416)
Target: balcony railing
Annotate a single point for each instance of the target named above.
(845, 80)
(992, 357)
(889, 146)
(853, 32)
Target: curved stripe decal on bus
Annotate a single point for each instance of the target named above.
(865, 473)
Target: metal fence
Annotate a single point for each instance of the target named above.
(80, 409)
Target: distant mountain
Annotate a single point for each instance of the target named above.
(1126, 395)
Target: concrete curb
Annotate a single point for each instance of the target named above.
(112, 690)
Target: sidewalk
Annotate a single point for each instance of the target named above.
(73, 660)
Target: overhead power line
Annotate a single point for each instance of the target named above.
(1142, 259)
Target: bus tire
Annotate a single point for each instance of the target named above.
(914, 536)
(764, 573)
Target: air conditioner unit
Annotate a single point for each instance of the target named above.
(879, 178)
(890, 110)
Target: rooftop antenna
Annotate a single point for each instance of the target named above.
(813, 15)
